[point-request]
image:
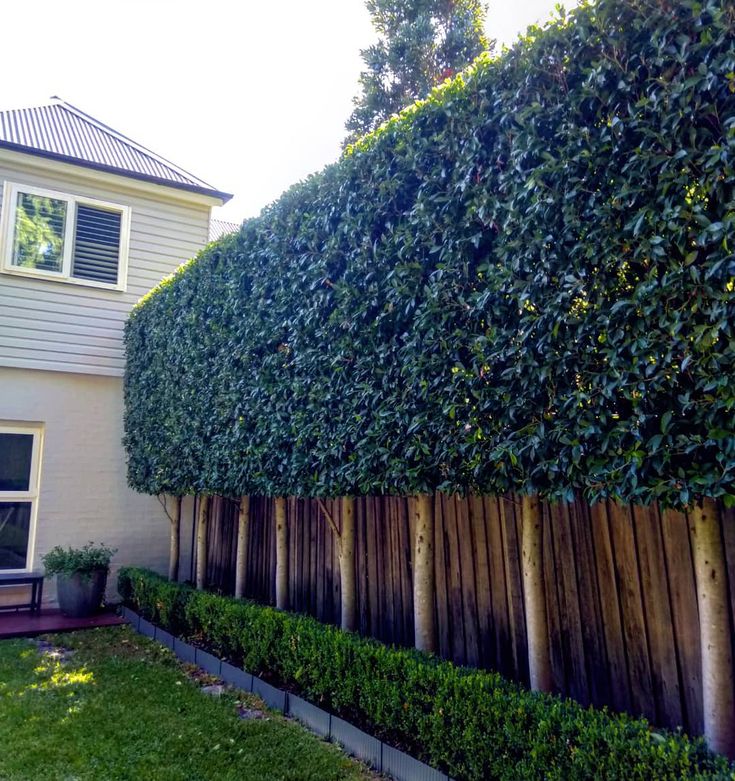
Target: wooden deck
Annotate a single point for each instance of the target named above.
(27, 624)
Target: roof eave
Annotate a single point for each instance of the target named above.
(29, 150)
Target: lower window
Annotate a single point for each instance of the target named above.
(15, 528)
(20, 449)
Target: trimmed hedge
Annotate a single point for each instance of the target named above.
(473, 724)
(525, 282)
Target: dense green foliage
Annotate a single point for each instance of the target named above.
(474, 724)
(85, 560)
(420, 43)
(107, 705)
(525, 282)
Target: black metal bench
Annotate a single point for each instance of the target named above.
(32, 579)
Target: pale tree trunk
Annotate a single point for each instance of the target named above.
(423, 574)
(537, 628)
(202, 519)
(348, 581)
(175, 543)
(243, 522)
(718, 696)
(281, 554)
(345, 540)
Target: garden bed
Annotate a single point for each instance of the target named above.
(378, 755)
(473, 725)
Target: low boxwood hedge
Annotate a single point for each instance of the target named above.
(473, 724)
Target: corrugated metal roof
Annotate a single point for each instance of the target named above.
(62, 131)
(220, 228)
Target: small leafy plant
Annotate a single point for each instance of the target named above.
(84, 561)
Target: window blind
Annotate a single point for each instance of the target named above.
(96, 253)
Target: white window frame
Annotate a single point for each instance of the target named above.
(7, 226)
(31, 495)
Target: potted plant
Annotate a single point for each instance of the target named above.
(81, 576)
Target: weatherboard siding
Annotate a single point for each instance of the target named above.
(61, 326)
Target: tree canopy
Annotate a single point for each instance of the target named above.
(420, 44)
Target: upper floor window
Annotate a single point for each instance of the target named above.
(64, 237)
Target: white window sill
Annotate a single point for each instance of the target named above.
(32, 274)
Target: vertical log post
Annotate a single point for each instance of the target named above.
(202, 521)
(718, 695)
(537, 627)
(347, 577)
(424, 576)
(243, 523)
(281, 554)
(175, 542)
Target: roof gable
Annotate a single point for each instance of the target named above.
(63, 132)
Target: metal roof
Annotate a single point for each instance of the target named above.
(63, 132)
(220, 228)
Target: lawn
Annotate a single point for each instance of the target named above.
(107, 704)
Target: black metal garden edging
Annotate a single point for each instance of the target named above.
(378, 755)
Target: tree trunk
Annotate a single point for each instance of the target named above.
(718, 696)
(281, 554)
(175, 543)
(539, 653)
(243, 522)
(202, 520)
(348, 581)
(423, 574)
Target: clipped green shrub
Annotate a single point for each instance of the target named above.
(525, 282)
(77, 561)
(473, 724)
(158, 600)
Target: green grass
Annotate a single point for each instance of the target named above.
(122, 707)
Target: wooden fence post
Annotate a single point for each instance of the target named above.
(537, 627)
(243, 523)
(281, 554)
(718, 695)
(424, 575)
(202, 541)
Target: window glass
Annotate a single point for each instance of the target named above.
(40, 223)
(16, 455)
(15, 525)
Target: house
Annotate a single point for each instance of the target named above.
(220, 228)
(89, 221)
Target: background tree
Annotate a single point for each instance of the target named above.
(420, 43)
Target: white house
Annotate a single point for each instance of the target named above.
(89, 222)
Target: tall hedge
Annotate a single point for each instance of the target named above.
(525, 282)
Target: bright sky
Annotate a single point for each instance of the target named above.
(249, 96)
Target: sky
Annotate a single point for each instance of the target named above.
(249, 96)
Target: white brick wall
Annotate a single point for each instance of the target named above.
(83, 492)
